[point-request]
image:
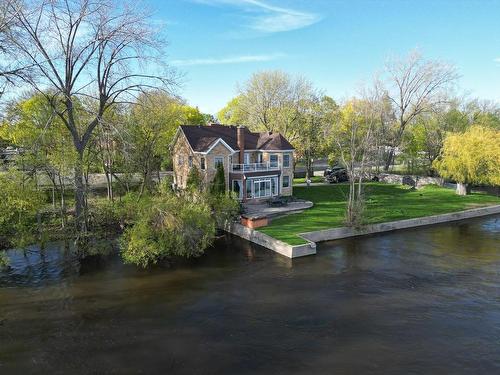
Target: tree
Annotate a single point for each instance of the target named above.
(32, 125)
(20, 204)
(232, 113)
(320, 113)
(103, 51)
(352, 143)
(10, 69)
(414, 86)
(471, 157)
(152, 125)
(218, 186)
(271, 101)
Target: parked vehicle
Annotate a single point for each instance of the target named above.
(335, 174)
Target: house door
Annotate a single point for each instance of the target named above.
(238, 188)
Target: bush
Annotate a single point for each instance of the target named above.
(224, 208)
(194, 180)
(170, 226)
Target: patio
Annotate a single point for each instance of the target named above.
(259, 210)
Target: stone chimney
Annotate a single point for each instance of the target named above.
(240, 135)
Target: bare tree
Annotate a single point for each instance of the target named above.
(10, 69)
(414, 86)
(102, 50)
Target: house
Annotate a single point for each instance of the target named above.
(257, 166)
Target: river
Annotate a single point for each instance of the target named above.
(415, 301)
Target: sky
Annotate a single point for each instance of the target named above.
(338, 45)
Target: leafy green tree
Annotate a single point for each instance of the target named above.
(232, 113)
(32, 125)
(471, 157)
(20, 203)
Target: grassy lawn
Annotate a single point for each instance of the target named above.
(313, 179)
(385, 203)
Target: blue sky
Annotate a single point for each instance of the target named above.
(335, 44)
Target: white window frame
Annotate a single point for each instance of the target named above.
(289, 160)
(269, 179)
(283, 182)
(180, 160)
(242, 187)
(203, 163)
(215, 160)
(277, 159)
(246, 158)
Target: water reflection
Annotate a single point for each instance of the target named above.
(418, 301)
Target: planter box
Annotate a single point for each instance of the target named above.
(254, 222)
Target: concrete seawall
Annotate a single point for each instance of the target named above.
(344, 232)
(295, 251)
(290, 251)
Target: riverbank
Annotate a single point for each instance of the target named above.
(384, 203)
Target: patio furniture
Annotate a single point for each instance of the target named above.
(277, 202)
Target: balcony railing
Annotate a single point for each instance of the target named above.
(255, 167)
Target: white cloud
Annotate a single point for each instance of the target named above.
(497, 60)
(268, 18)
(227, 60)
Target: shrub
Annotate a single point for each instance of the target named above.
(194, 180)
(170, 226)
(225, 208)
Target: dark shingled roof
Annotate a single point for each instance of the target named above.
(202, 137)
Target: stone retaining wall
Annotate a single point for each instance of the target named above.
(344, 232)
(290, 251)
(417, 181)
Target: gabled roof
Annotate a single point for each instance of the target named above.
(202, 138)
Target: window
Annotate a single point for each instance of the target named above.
(259, 158)
(273, 160)
(218, 160)
(274, 186)
(249, 188)
(202, 163)
(246, 158)
(237, 188)
(286, 160)
(286, 181)
(180, 160)
(190, 161)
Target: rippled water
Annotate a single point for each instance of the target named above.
(416, 301)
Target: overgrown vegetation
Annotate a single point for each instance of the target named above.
(169, 224)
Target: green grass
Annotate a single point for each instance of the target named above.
(313, 179)
(384, 203)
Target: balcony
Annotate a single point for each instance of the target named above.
(255, 167)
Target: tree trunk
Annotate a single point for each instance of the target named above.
(63, 201)
(389, 160)
(463, 188)
(80, 201)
